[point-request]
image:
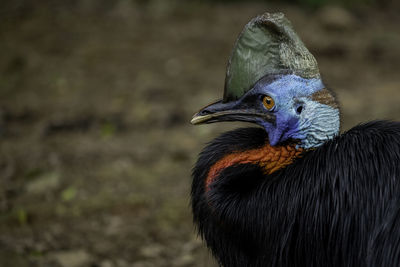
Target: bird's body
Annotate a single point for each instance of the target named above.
(330, 207)
(294, 192)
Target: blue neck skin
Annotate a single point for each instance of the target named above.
(316, 122)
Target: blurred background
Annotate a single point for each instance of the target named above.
(96, 148)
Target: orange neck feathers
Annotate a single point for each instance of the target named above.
(270, 158)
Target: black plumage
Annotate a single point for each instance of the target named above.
(337, 205)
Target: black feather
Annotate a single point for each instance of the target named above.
(338, 205)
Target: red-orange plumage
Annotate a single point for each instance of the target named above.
(271, 158)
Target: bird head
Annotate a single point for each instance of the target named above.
(273, 80)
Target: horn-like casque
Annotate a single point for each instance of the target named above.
(267, 45)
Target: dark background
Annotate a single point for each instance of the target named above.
(96, 97)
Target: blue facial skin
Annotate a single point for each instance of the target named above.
(297, 115)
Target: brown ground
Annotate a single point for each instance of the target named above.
(95, 100)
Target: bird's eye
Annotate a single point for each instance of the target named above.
(268, 102)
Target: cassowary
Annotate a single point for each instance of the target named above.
(293, 192)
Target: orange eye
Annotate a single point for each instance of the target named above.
(268, 102)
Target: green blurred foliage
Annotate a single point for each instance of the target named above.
(68, 194)
(314, 3)
(22, 216)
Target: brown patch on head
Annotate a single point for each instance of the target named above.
(325, 97)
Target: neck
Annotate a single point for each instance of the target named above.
(269, 158)
(322, 123)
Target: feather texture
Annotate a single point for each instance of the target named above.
(337, 205)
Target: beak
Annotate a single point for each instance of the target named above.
(230, 111)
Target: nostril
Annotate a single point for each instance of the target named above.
(204, 112)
